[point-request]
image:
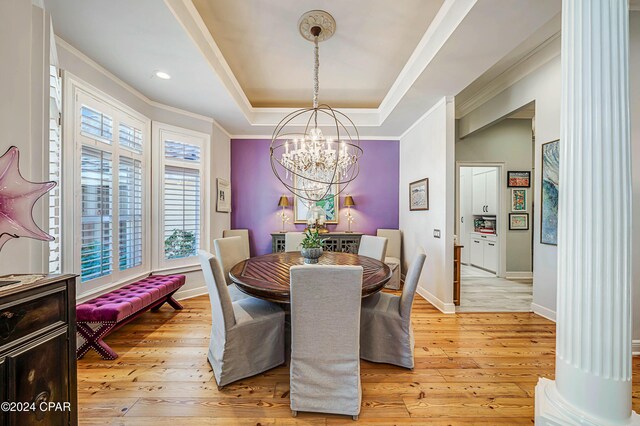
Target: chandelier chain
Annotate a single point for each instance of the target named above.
(316, 72)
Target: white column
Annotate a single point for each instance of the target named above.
(593, 350)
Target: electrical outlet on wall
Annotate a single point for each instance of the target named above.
(436, 233)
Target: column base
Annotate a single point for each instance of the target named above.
(552, 410)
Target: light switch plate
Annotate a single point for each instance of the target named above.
(436, 233)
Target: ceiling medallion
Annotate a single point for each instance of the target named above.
(311, 165)
(317, 18)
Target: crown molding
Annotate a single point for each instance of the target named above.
(537, 57)
(93, 64)
(362, 138)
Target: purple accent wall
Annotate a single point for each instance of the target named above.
(255, 191)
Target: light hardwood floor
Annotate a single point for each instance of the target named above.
(482, 291)
(471, 369)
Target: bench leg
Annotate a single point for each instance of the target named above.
(171, 301)
(174, 303)
(93, 340)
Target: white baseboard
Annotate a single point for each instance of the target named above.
(445, 308)
(192, 292)
(543, 312)
(515, 275)
(635, 347)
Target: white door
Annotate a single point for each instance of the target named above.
(491, 192)
(477, 253)
(479, 194)
(490, 256)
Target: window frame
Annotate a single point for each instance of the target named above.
(160, 133)
(77, 94)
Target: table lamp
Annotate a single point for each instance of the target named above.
(348, 202)
(284, 203)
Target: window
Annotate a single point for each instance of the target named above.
(97, 216)
(181, 180)
(130, 206)
(55, 161)
(109, 198)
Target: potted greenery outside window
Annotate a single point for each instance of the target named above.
(312, 246)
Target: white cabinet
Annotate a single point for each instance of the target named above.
(491, 191)
(485, 191)
(476, 255)
(490, 255)
(484, 252)
(479, 194)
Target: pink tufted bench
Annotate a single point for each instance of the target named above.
(104, 314)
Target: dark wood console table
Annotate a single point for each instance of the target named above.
(38, 351)
(341, 242)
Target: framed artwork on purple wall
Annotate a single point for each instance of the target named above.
(330, 204)
(223, 200)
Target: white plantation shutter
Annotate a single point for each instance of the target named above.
(96, 124)
(180, 151)
(131, 138)
(181, 212)
(96, 249)
(130, 211)
(111, 211)
(55, 162)
(181, 180)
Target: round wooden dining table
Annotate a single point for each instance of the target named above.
(267, 276)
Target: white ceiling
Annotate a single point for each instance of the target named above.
(466, 38)
(274, 64)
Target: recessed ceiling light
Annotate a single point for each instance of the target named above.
(163, 75)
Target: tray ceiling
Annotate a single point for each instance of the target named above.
(358, 65)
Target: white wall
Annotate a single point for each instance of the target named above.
(23, 90)
(510, 142)
(427, 151)
(82, 67)
(543, 87)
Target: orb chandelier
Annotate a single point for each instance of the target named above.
(310, 164)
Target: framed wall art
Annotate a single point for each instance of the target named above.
(518, 179)
(518, 200)
(223, 199)
(518, 221)
(419, 195)
(549, 193)
(330, 204)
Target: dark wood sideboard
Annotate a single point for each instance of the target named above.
(342, 242)
(37, 352)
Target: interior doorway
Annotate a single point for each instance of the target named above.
(494, 222)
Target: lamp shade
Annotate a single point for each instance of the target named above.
(348, 201)
(283, 202)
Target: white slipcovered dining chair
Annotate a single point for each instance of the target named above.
(371, 246)
(386, 334)
(247, 336)
(392, 258)
(242, 233)
(229, 251)
(293, 240)
(325, 339)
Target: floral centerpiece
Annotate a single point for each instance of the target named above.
(312, 246)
